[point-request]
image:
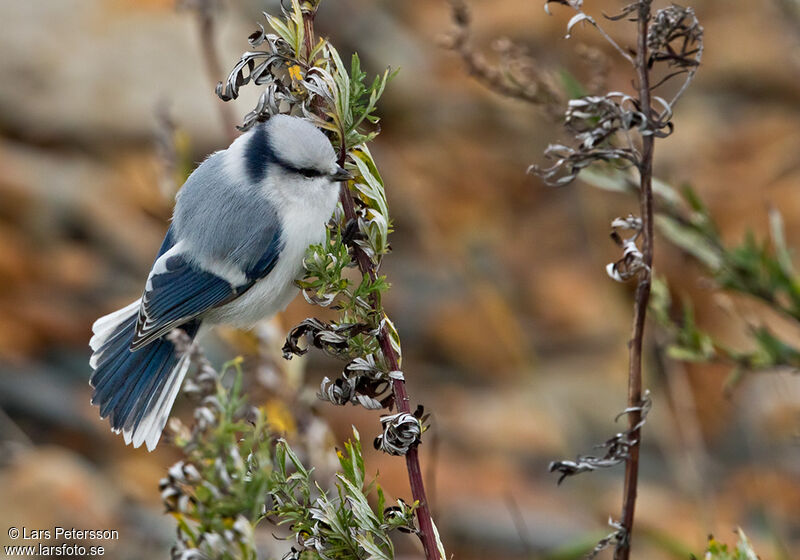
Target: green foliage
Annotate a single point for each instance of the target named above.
(217, 492)
(291, 29)
(572, 85)
(350, 99)
(719, 551)
(770, 352)
(217, 496)
(325, 282)
(325, 265)
(761, 269)
(341, 99)
(689, 343)
(341, 525)
(234, 476)
(754, 268)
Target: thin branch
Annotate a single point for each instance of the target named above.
(517, 75)
(608, 38)
(401, 398)
(519, 524)
(622, 550)
(582, 16)
(617, 447)
(206, 27)
(323, 97)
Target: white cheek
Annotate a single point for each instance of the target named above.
(284, 188)
(323, 184)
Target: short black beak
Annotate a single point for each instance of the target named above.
(341, 174)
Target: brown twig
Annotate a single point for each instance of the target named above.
(517, 75)
(622, 551)
(206, 34)
(401, 399)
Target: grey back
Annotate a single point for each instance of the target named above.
(225, 218)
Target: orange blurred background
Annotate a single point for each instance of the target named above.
(514, 338)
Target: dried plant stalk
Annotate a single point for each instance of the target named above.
(619, 130)
(401, 399)
(622, 550)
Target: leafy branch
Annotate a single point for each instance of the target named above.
(235, 475)
(619, 130)
(339, 526)
(305, 76)
(720, 551)
(759, 269)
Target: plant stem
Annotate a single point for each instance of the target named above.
(642, 297)
(402, 402)
(401, 399)
(207, 35)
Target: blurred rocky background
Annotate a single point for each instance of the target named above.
(514, 338)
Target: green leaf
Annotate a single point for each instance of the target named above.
(202, 493)
(281, 29)
(683, 354)
(690, 240)
(572, 85)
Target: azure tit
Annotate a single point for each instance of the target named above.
(241, 226)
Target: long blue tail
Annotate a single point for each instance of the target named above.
(135, 389)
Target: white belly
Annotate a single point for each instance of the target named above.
(267, 297)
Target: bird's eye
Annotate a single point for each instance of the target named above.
(310, 173)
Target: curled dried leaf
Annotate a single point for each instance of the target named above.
(332, 338)
(618, 537)
(574, 4)
(632, 261)
(401, 432)
(617, 448)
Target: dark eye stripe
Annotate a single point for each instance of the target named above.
(309, 172)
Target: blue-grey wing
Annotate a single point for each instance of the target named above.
(230, 224)
(177, 291)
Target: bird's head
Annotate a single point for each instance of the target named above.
(302, 151)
